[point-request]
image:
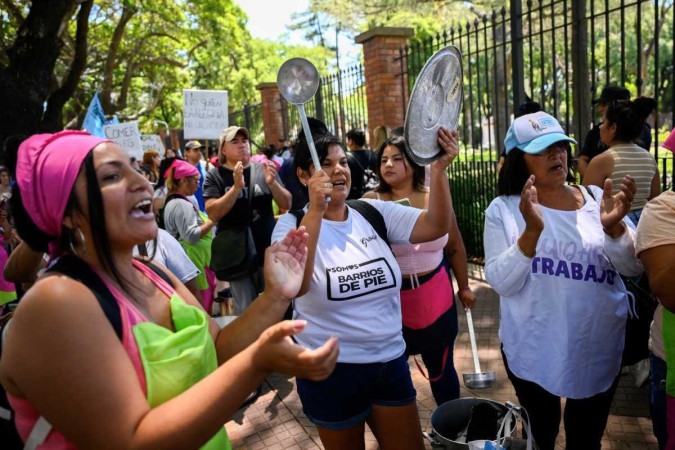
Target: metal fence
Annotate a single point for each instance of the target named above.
(340, 103)
(560, 53)
(250, 117)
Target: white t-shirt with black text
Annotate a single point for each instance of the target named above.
(354, 293)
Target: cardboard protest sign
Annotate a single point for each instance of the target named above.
(204, 114)
(127, 136)
(153, 142)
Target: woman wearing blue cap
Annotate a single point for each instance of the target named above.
(552, 252)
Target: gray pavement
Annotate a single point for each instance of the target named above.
(275, 421)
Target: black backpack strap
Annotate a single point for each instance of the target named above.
(75, 268)
(368, 211)
(160, 273)
(372, 215)
(299, 214)
(589, 192)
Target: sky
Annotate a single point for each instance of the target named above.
(268, 20)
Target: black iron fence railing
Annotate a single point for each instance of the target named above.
(250, 117)
(340, 103)
(560, 53)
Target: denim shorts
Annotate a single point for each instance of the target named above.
(345, 399)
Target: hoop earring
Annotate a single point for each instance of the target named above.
(72, 242)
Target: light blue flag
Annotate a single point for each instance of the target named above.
(95, 118)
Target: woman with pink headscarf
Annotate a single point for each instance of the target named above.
(117, 354)
(192, 228)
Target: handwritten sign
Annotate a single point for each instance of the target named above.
(127, 136)
(204, 114)
(152, 142)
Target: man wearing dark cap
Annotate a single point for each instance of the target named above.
(193, 155)
(592, 145)
(239, 196)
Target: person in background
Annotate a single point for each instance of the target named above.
(361, 164)
(292, 183)
(428, 307)
(351, 290)
(170, 153)
(83, 382)
(380, 134)
(5, 184)
(563, 307)
(151, 160)
(213, 156)
(192, 228)
(621, 126)
(655, 246)
(238, 197)
(593, 145)
(193, 155)
(528, 107)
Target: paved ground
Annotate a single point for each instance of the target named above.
(275, 421)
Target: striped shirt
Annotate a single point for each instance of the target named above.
(633, 160)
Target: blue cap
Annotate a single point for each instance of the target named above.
(534, 133)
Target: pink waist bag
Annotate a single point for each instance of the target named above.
(421, 306)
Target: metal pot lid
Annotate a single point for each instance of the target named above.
(436, 101)
(297, 80)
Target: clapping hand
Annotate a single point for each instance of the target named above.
(613, 208)
(285, 264)
(529, 206)
(276, 352)
(270, 172)
(238, 175)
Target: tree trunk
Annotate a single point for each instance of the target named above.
(111, 60)
(53, 118)
(24, 83)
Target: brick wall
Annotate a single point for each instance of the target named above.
(271, 113)
(384, 92)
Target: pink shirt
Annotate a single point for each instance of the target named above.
(419, 258)
(26, 415)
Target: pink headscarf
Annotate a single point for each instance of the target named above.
(182, 169)
(46, 169)
(669, 143)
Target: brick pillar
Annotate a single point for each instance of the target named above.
(271, 113)
(384, 93)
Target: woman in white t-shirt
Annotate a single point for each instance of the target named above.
(351, 290)
(552, 254)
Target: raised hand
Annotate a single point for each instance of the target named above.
(276, 352)
(448, 142)
(270, 172)
(285, 264)
(613, 208)
(529, 206)
(238, 176)
(320, 189)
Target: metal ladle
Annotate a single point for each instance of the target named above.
(298, 81)
(477, 380)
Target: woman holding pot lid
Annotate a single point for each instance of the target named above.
(428, 306)
(148, 376)
(351, 290)
(552, 252)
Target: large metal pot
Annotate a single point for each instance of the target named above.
(451, 418)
